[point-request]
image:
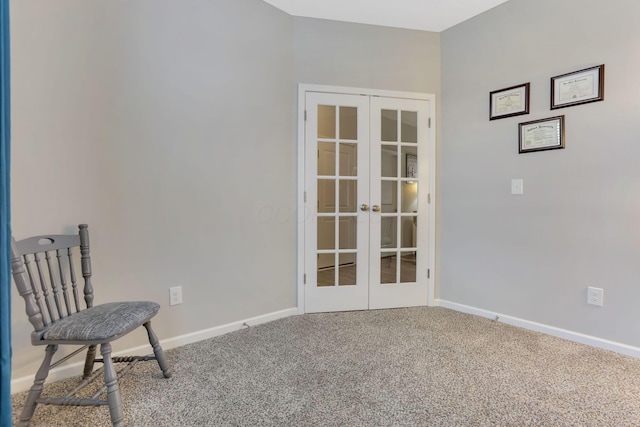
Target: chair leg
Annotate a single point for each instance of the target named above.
(157, 350)
(113, 390)
(89, 361)
(36, 388)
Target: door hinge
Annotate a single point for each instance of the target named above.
(428, 273)
(305, 116)
(305, 278)
(429, 198)
(305, 197)
(429, 121)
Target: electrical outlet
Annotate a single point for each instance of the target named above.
(595, 296)
(175, 295)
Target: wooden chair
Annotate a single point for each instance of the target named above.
(43, 269)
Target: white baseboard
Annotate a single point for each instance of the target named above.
(546, 329)
(72, 369)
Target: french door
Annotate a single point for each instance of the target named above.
(366, 208)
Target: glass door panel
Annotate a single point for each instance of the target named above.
(388, 232)
(348, 271)
(409, 231)
(389, 125)
(326, 121)
(326, 233)
(326, 273)
(348, 232)
(408, 267)
(409, 129)
(389, 161)
(348, 123)
(326, 195)
(409, 191)
(389, 196)
(326, 158)
(409, 159)
(348, 160)
(388, 268)
(348, 190)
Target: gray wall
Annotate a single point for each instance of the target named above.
(577, 224)
(166, 126)
(169, 127)
(368, 56)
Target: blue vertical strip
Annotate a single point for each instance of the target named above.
(5, 219)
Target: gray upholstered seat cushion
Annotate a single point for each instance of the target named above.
(102, 322)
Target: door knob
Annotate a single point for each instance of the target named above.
(364, 207)
(375, 208)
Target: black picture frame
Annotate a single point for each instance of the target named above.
(541, 135)
(578, 87)
(509, 102)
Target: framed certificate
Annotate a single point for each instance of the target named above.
(578, 87)
(540, 135)
(512, 101)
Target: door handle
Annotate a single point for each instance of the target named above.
(375, 208)
(364, 207)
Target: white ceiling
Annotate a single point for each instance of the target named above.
(428, 15)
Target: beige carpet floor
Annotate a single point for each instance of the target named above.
(403, 367)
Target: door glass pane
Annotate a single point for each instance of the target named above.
(389, 196)
(347, 270)
(348, 123)
(348, 195)
(348, 232)
(348, 160)
(389, 161)
(326, 158)
(409, 197)
(388, 232)
(409, 229)
(389, 125)
(388, 267)
(327, 121)
(408, 267)
(409, 162)
(326, 233)
(326, 195)
(326, 270)
(409, 126)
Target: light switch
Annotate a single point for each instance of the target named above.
(517, 186)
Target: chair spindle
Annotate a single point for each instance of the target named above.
(34, 289)
(45, 289)
(63, 282)
(85, 261)
(74, 283)
(54, 285)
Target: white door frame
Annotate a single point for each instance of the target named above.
(303, 89)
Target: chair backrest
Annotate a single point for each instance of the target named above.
(44, 271)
